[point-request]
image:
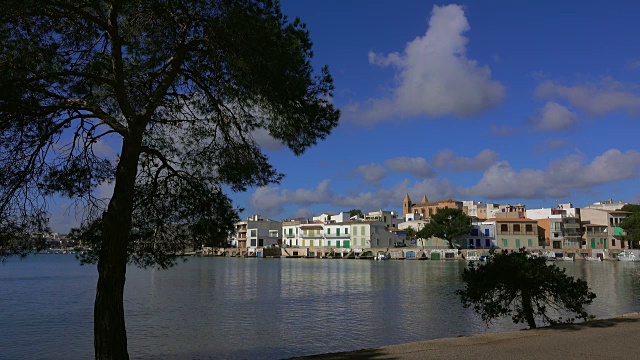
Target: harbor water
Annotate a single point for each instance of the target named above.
(235, 308)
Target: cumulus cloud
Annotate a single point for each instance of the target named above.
(553, 117)
(434, 76)
(371, 173)
(270, 201)
(596, 99)
(416, 166)
(447, 159)
(561, 177)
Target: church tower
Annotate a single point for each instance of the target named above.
(406, 205)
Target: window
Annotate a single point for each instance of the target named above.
(504, 228)
(518, 243)
(613, 242)
(329, 243)
(474, 232)
(329, 231)
(337, 243)
(254, 232)
(362, 232)
(290, 231)
(528, 228)
(253, 242)
(486, 232)
(516, 227)
(355, 230)
(273, 233)
(338, 232)
(505, 243)
(470, 242)
(487, 242)
(529, 242)
(346, 230)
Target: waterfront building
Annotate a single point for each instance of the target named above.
(389, 218)
(483, 236)
(510, 211)
(339, 235)
(513, 233)
(256, 231)
(332, 218)
(609, 222)
(559, 228)
(606, 205)
(481, 210)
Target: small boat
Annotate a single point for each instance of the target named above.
(592, 258)
(566, 258)
(382, 256)
(625, 255)
(472, 256)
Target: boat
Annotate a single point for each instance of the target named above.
(382, 256)
(626, 255)
(472, 256)
(549, 255)
(566, 258)
(592, 258)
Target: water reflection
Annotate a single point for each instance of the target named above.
(211, 308)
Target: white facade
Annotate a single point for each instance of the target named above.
(349, 234)
(483, 236)
(389, 218)
(257, 231)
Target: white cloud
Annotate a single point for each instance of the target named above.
(269, 201)
(435, 77)
(482, 161)
(560, 178)
(416, 166)
(266, 141)
(596, 99)
(371, 173)
(553, 117)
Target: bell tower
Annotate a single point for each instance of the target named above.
(406, 205)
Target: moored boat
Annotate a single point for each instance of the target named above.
(626, 255)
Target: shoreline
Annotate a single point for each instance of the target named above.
(611, 338)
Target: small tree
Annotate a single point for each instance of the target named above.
(631, 225)
(525, 287)
(354, 212)
(448, 224)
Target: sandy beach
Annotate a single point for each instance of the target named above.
(616, 338)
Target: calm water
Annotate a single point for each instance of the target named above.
(229, 308)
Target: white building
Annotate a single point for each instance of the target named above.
(389, 218)
(256, 231)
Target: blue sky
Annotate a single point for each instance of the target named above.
(490, 100)
(482, 100)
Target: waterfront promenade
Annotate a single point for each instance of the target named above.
(615, 338)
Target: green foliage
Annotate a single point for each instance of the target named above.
(448, 224)
(176, 89)
(354, 212)
(631, 224)
(632, 208)
(524, 287)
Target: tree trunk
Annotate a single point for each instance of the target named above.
(110, 336)
(528, 309)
